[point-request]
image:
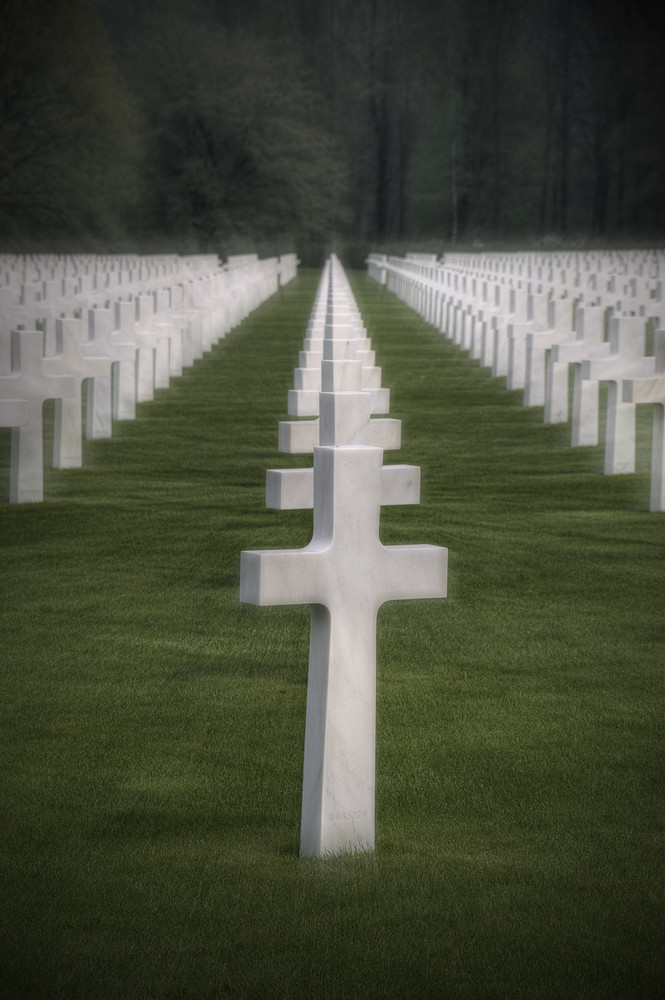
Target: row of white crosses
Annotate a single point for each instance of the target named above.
(345, 573)
(127, 326)
(534, 317)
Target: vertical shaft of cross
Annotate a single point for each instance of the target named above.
(340, 730)
(340, 735)
(652, 390)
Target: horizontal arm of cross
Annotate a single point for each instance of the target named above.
(305, 402)
(299, 437)
(614, 368)
(299, 576)
(414, 572)
(281, 576)
(293, 489)
(644, 390)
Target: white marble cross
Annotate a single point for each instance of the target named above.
(518, 331)
(109, 340)
(146, 325)
(516, 306)
(538, 342)
(652, 390)
(145, 345)
(589, 343)
(33, 380)
(624, 358)
(77, 358)
(345, 574)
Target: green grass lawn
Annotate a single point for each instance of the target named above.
(153, 727)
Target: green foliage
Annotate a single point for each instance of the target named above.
(198, 124)
(69, 132)
(152, 727)
(234, 148)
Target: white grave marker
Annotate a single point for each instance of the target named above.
(652, 390)
(77, 358)
(345, 574)
(625, 358)
(32, 381)
(589, 342)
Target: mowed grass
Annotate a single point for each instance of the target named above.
(153, 727)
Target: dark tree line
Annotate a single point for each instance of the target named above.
(281, 124)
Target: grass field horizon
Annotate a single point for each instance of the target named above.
(153, 727)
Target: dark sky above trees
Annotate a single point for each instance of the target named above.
(226, 125)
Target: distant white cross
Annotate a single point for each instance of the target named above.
(652, 390)
(624, 358)
(33, 379)
(76, 357)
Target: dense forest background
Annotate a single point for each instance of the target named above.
(228, 125)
